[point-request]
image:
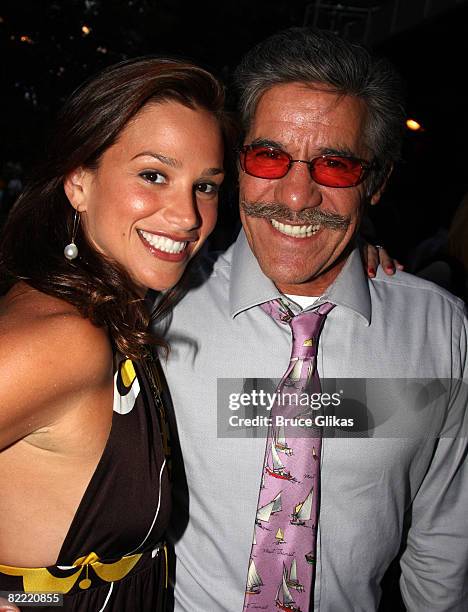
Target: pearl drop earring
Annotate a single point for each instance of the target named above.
(71, 250)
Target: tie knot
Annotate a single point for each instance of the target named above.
(305, 326)
(305, 329)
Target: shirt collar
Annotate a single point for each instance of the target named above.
(351, 288)
(249, 287)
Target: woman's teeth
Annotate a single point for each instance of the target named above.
(298, 231)
(162, 243)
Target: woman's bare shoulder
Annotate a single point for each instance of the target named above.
(49, 353)
(30, 319)
(23, 300)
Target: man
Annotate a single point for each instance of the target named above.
(323, 125)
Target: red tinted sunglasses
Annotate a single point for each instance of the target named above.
(329, 170)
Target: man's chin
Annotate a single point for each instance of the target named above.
(288, 276)
(297, 280)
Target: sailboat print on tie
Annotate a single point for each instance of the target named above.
(291, 580)
(284, 600)
(264, 513)
(280, 536)
(277, 470)
(254, 582)
(310, 558)
(302, 511)
(280, 442)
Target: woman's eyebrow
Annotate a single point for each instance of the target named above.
(169, 161)
(212, 171)
(175, 163)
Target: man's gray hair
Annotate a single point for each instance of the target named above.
(320, 57)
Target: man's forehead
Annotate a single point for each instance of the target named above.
(291, 111)
(312, 99)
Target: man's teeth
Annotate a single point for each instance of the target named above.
(298, 231)
(163, 244)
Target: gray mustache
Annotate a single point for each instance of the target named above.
(308, 216)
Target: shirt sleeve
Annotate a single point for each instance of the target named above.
(435, 561)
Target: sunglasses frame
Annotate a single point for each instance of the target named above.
(365, 166)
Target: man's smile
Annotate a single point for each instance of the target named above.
(309, 218)
(296, 231)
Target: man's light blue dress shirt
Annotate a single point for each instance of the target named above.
(372, 488)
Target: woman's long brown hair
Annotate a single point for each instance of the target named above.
(41, 222)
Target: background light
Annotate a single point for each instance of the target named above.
(412, 124)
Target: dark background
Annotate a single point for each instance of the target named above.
(47, 54)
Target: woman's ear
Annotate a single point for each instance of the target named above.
(76, 187)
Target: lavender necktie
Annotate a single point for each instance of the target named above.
(282, 562)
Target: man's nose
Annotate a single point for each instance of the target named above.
(297, 189)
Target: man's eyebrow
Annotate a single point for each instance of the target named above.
(339, 150)
(266, 142)
(169, 161)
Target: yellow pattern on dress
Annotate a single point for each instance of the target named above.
(128, 373)
(39, 579)
(126, 387)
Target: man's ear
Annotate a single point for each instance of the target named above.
(76, 187)
(378, 194)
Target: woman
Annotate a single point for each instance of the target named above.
(127, 196)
